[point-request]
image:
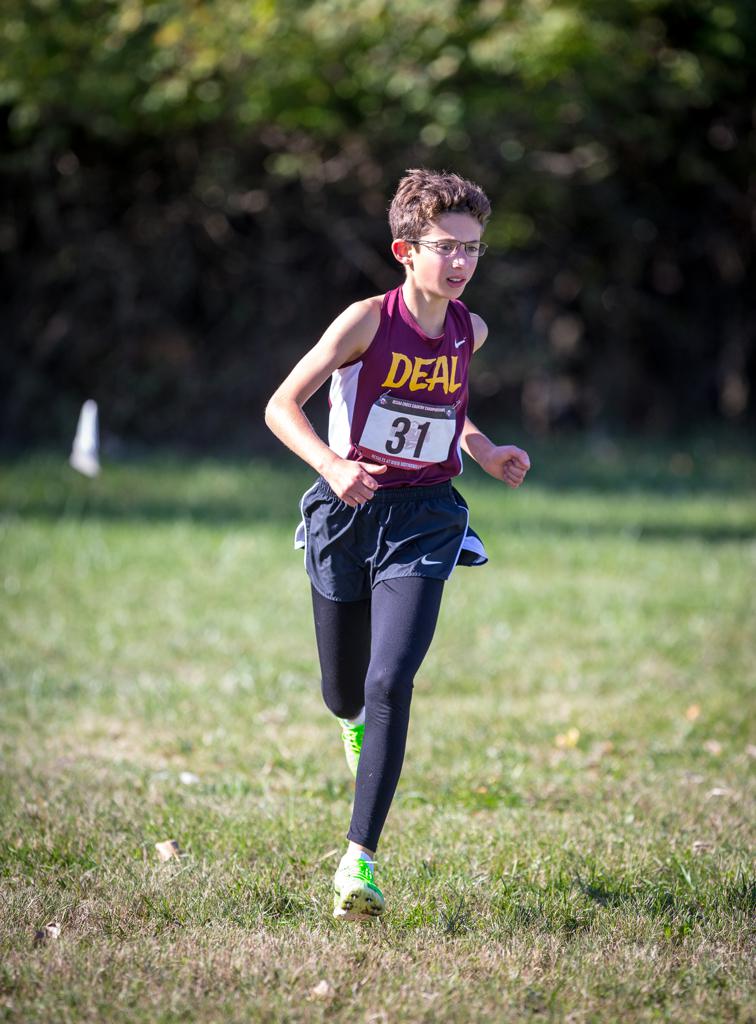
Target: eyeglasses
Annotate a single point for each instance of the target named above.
(450, 246)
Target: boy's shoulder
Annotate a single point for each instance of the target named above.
(365, 311)
(480, 329)
(371, 305)
(355, 327)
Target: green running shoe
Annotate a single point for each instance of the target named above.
(352, 736)
(356, 896)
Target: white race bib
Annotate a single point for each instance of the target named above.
(408, 434)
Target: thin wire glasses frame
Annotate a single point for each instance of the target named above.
(450, 246)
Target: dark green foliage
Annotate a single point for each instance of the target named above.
(193, 191)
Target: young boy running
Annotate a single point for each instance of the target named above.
(382, 527)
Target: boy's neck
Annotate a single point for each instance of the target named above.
(428, 311)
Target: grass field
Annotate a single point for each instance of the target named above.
(572, 836)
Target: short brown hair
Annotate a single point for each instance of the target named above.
(423, 195)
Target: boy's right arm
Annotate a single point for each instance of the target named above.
(345, 340)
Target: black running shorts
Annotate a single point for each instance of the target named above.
(401, 531)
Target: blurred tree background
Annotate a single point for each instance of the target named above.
(192, 190)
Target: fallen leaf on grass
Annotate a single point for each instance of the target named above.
(323, 990)
(693, 712)
(751, 750)
(702, 844)
(719, 791)
(188, 778)
(50, 931)
(568, 740)
(713, 747)
(326, 856)
(168, 849)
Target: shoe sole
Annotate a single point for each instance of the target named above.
(358, 903)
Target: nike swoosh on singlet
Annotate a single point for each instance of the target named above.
(458, 343)
(428, 561)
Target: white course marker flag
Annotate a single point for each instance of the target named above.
(86, 446)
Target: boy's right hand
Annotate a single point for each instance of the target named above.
(353, 481)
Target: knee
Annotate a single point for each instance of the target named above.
(390, 686)
(341, 706)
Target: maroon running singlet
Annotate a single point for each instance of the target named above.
(404, 402)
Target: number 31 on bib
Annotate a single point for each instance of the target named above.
(408, 434)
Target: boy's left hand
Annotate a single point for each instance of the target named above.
(508, 463)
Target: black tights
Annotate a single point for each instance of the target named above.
(369, 653)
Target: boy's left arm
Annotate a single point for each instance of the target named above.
(504, 462)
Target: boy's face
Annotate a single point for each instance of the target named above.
(433, 272)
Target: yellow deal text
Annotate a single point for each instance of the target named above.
(423, 374)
